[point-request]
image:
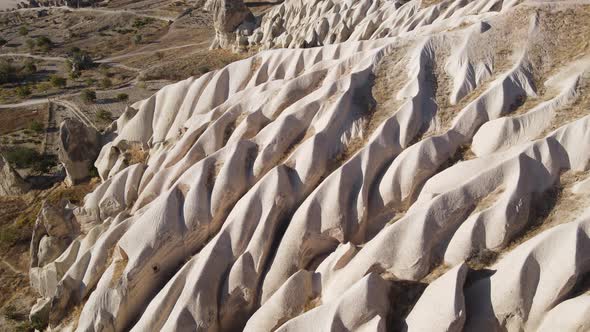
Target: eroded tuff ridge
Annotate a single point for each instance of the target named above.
(434, 180)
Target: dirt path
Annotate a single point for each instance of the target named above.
(32, 56)
(128, 55)
(11, 267)
(102, 10)
(30, 102)
(76, 111)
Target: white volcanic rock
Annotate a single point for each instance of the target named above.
(442, 305)
(306, 189)
(11, 183)
(229, 16)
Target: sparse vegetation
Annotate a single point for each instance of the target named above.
(21, 157)
(58, 81)
(122, 97)
(103, 115)
(44, 43)
(106, 83)
(75, 74)
(88, 96)
(30, 44)
(135, 154)
(140, 22)
(137, 39)
(79, 60)
(36, 126)
(8, 72)
(30, 68)
(23, 91)
(23, 31)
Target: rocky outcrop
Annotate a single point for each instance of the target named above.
(78, 148)
(231, 20)
(434, 180)
(54, 230)
(11, 183)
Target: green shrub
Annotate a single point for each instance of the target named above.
(104, 115)
(79, 59)
(36, 126)
(44, 43)
(88, 96)
(21, 157)
(122, 97)
(140, 22)
(137, 39)
(23, 31)
(30, 67)
(58, 81)
(23, 91)
(93, 172)
(3, 41)
(45, 86)
(45, 163)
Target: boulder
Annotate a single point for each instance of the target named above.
(79, 146)
(11, 183)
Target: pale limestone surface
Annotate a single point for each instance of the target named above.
(299, 189)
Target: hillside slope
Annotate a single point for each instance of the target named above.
(430, 179)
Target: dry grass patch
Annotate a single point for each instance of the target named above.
(136, 154)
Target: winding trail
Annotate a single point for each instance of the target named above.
(11, 267)
(103, 10)
(33, 56)
(128, 55)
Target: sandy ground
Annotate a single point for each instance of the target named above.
(8, 4)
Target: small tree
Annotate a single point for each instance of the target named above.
(3, 41)
(23, 31)
(79, 59)
(88, 96)
(23, 91)
(122, 97)
(58, 81)
(137, 39)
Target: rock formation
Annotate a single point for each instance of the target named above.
(431, 175)
(11, 183)
(232, 21)
(54, 230)
(79, 146)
